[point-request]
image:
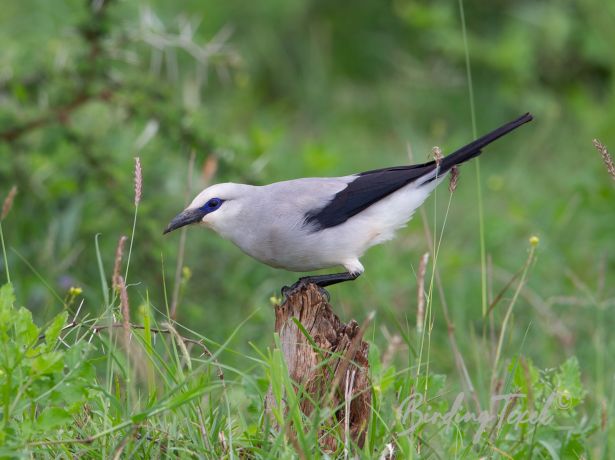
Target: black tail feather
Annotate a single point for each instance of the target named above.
(370, 186)
(473, 149)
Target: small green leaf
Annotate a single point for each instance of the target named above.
(388, 379)
(550, 448)
(138, 418)
(53, 331)
(52, 417)
(374, 359)
(567, 382)
(7, 299)
(26, 331)
(48, 363)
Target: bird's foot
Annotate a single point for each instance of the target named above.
(302, 283)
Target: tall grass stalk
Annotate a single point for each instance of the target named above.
(429, 320)
(5, 258)
(6, 208)
(43, 281)
(481, 220)
(526, 267)
(459, 360)
(182, 243)
(138, 191)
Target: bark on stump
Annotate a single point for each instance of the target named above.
(343, 379)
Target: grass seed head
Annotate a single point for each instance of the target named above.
(606, 157)
(437, 154)
(117, 266)
(138, 181)
(420, 313)
(8, 202)
(125, 308)
(452, 185)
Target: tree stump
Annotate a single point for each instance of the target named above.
(330, 365)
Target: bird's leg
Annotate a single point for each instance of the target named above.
(328, 280)
(319, 280)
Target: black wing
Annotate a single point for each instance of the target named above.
(372, 186)
(368, 188)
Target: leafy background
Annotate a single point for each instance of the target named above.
(265, 91)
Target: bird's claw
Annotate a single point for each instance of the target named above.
(287, 291)
(302, 283)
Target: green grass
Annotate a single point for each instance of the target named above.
(75, 387)
(291, 95)
(103, 388)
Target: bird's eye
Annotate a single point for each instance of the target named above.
(212, 205)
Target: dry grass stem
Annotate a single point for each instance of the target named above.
(222, 441)
(180, 343)
(420, 314)
(122, 445)
(8, 202)
(125, 308)
(388, 453)
(349, 386)
(606, 157)
(138, 181)
(437, 155)
(117, 266)
(452, 185)
(395, 343)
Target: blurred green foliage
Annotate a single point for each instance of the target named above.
(37, 374)
(281, 89)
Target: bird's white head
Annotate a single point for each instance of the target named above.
(215, 207)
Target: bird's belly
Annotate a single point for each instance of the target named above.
(308, 253)
(296, 259)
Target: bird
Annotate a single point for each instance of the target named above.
(314, 223)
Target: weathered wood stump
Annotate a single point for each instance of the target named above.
(330, 365)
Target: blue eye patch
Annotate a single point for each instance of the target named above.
(211, 205)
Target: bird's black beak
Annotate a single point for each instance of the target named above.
(187, 217)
